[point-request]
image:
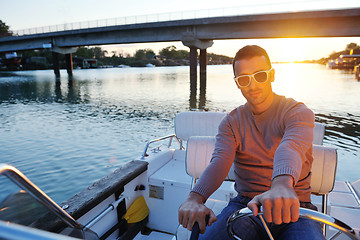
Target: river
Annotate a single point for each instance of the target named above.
(64, 134)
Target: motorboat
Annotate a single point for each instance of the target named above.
(11, 60)
(140, 200)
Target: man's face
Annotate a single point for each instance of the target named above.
(256, 93)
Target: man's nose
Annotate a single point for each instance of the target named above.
(252, 82)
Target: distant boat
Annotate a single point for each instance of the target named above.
(344, 62)
(11, 59)
(331, 64)
(149, 65)
(123, 66)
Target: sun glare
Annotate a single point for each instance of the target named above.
(293, 49)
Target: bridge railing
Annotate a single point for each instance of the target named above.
(282, 7)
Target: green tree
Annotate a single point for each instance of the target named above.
(351, 46)
(140, 54)
(182, 54)
(168, 52)
(354, 47)
(84, 52)
(149, 54)
(335, 55)
(171, 53)
(95, 52)
(4, 30)
(98, 52)
(144, 54)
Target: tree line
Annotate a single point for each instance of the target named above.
(352, 48)
(168, 56)
(5, 30)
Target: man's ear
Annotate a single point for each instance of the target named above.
(272, 75)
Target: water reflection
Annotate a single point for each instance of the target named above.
(197, 103)
(73, 93)
(71, 89)
(27, 89)
(342, 131)
(202, 99)
(194, 102)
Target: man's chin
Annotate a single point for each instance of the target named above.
(254, 100)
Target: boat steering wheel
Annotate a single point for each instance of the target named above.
(304, 213)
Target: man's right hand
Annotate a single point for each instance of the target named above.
(193, 210)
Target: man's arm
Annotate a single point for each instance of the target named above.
(193, 210)
(280, 203)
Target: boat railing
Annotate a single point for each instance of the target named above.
(22, 181)
(354, 194)
(170, 137)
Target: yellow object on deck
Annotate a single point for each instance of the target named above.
(138, 211)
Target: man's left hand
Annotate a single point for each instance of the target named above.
(280, 203)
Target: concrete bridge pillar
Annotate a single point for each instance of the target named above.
(203, 63)
(68, 59)
(195, 44)
(193, 71)
(69, 63)
(55, 58)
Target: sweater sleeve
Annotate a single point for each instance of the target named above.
(296, 142)
(221, 161)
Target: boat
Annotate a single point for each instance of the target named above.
(140, 200)
(123, 66)
(11, 60)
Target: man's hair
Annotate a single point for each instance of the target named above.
(251, 51)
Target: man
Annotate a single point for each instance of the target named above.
(270, 137)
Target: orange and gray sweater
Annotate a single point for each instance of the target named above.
(275, 142)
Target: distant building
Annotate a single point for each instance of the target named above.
(345, 61)
(38, 60)
(80, 62)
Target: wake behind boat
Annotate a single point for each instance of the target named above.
(140, 200)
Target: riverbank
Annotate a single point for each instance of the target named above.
(95, 57)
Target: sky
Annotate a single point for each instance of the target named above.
(23, 14)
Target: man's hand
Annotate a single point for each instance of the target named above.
(193, 210)
(280, 203)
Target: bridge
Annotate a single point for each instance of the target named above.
(197, 33)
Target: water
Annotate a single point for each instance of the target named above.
(64, 135)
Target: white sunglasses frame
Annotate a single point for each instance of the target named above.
(251, 76)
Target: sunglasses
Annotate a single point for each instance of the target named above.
(245, 80)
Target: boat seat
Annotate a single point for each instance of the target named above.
(199, 153)
(192, 123)
(189, 124)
